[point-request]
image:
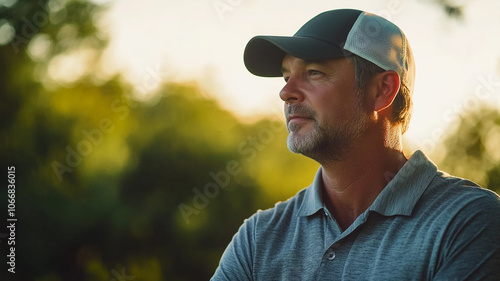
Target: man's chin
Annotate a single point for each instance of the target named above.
(298, 143)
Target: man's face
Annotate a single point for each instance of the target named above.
(324, 113)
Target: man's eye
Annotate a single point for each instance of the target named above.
(314, 72)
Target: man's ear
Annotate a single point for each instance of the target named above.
(387, 84)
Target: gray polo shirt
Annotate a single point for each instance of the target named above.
(424, 225)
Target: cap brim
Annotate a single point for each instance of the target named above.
(264, 55)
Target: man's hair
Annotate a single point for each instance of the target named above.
(402, 105)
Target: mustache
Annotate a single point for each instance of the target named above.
(300, 110)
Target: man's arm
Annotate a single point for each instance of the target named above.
(237, 261)
(472, 249)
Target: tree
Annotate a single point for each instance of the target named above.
(471, 151)
(108, 186)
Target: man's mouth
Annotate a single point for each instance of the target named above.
(297, 118)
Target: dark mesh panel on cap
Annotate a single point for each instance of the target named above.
(331, 26)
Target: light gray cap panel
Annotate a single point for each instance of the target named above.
(381, 42)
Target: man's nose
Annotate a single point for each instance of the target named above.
(292, 92)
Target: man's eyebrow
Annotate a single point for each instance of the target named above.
(316, 61)
(305, 62)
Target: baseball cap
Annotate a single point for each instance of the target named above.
(335, 34)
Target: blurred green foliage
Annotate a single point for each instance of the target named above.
(471, 150)
(111, 188)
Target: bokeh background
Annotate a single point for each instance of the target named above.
(141, 143)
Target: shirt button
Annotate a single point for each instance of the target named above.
(326, 214)
(330, 254)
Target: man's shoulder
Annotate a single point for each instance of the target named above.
(282, 211)
(453, 195)
(453, 187)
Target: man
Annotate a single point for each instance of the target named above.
(371, 213)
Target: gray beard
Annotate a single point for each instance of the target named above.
(325, 143)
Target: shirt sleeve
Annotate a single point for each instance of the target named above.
(237, 261)
(472, 247)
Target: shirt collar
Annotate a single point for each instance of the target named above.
(405, 189)
(313, 198)
(398, 197)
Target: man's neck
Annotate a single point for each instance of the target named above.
(351, 185)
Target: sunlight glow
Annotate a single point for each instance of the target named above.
(68, 68)
(39, 47)
(6, 32)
